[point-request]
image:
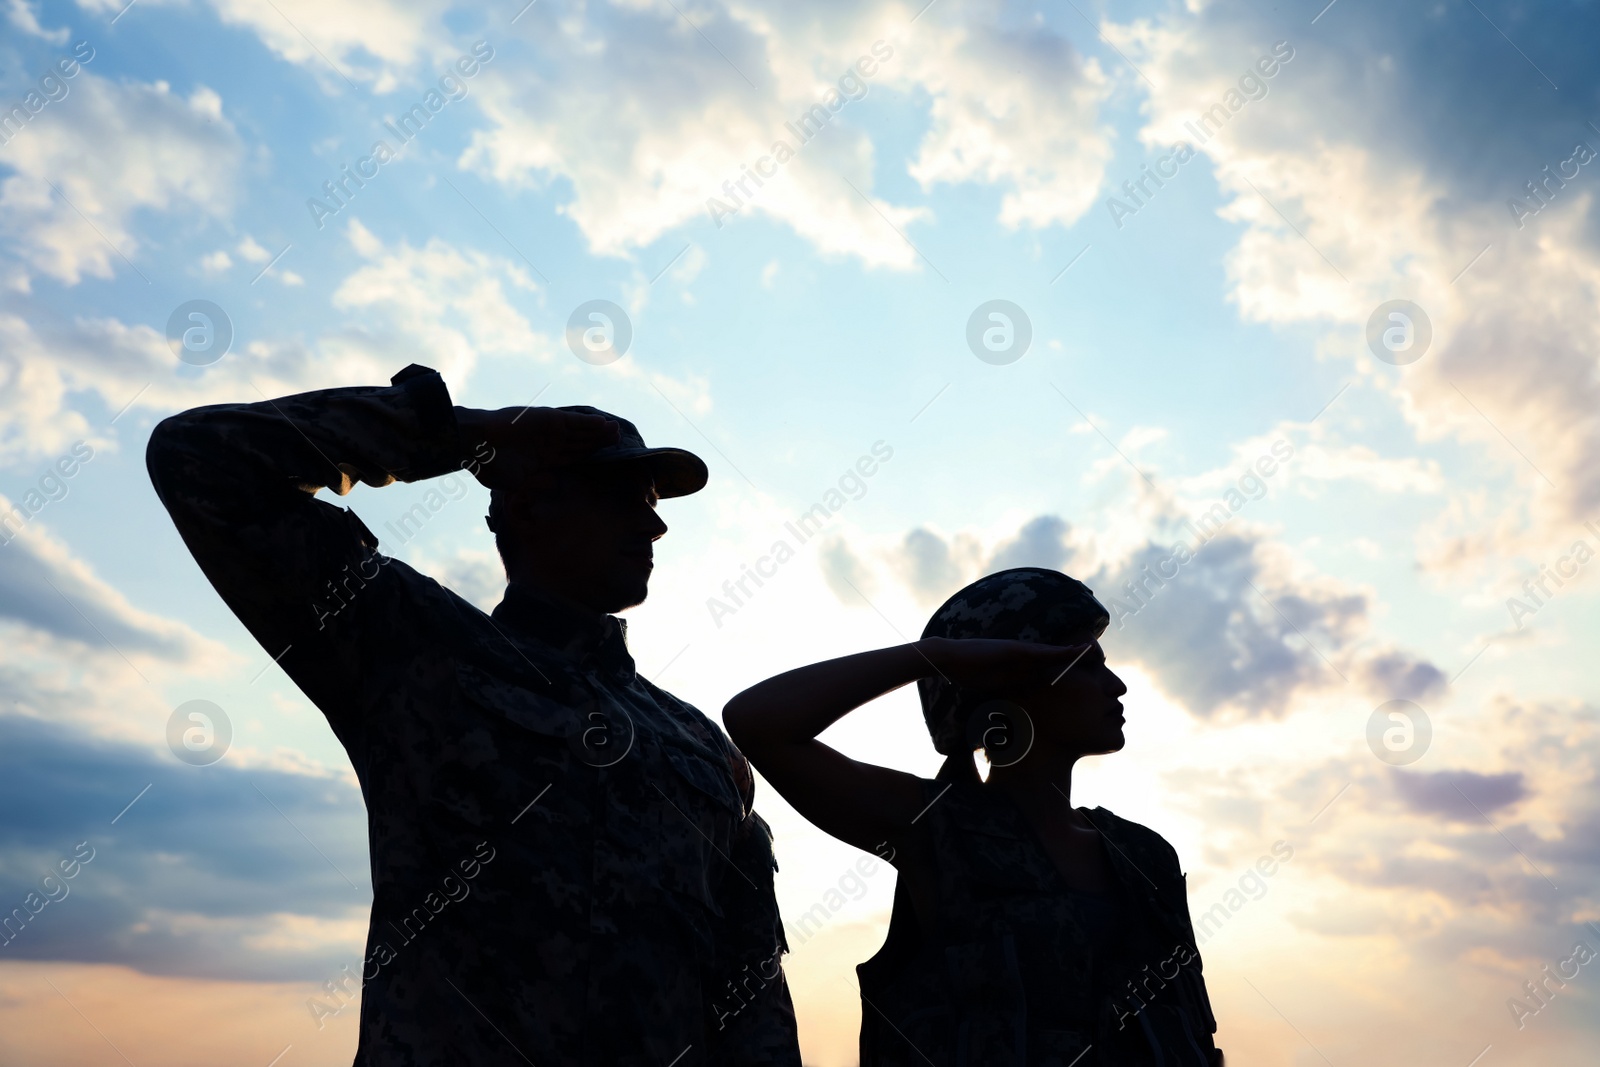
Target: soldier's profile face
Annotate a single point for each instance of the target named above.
(591, 538)
(1081, 712)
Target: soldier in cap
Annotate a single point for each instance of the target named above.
(1025, 932)
(566, 867)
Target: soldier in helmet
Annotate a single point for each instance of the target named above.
(1025, 932)
(566, 867)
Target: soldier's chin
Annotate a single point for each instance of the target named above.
(1114, 742)
(629, 593)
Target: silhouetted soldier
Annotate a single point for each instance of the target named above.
(566, 868)
(1025, 932)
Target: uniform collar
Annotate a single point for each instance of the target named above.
(582, 635)
(981, 812)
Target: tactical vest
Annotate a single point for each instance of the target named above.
(1010, 977)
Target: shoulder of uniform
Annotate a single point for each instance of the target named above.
(1134, 836)
(713, 737)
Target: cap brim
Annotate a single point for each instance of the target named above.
(677, 472)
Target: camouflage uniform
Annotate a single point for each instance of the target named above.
(1020, 970)
(566, 868)
(1014, 975)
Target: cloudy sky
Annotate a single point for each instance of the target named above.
(1306, 290)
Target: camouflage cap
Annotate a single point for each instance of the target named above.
(677, 471)
(1020, 604)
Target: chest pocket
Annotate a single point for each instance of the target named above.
(701, 812)
(558, 713)
(512, 742)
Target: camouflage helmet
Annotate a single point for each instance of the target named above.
(1020, 604)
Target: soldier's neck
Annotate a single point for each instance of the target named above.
(1041, 786)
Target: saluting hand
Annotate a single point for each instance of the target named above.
(999, 666)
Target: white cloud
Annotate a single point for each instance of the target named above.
(1017, 109)
(50, 592)
(1395, 865)
(51, 367)
(112, 149)
(450, 303)
(649, 125)
(251, 250)
(22, 15)
(645, 151)
(648, 122)
(33, 396)
(437, 305)
(847, 576)
(1443, 830)
(1377, 205)
(1318, 455)
(373, 45)
(1239, 628)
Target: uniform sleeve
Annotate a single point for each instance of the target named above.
(1194, 976)
(752, 1016)
(305, 576)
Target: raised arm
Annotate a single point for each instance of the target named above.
(305, 576)
(776, 724)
